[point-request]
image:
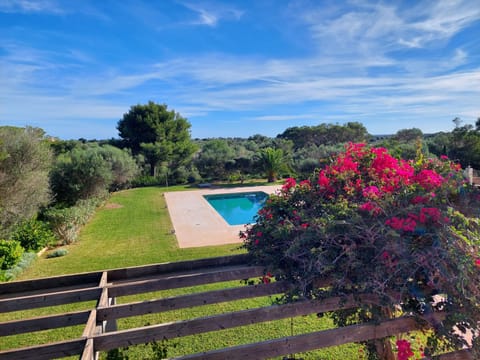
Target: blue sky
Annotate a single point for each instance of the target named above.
(239, 68)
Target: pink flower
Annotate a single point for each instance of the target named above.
(404, 350)
(407, 224)
(305, 225)
(305, 183)
(444, 157)
(323, 180)
(419, 200)
(289, 183)
(429, 179)
(395, 223)
(477, 263)
(432, 214)
(371, 192)
(370, 207)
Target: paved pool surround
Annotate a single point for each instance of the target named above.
(196, 223)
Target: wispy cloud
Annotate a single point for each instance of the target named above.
(380, 28)
(30, 6)
(361, 65)
(211, 14)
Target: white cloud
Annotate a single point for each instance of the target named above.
(368, 28)
(211, 14)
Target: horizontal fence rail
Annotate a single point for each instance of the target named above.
(99, 321)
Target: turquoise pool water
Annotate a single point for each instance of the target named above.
(238, 208)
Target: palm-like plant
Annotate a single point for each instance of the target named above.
(272, 161)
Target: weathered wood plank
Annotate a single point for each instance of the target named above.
(185, 301)
(23, 326)
(91, 323)
(456, 355)
(47, 284)
(187, 279)
(49, 299)
(219, 322)
(310, 341)
(140, 271)
(45, 352)
(88, 353)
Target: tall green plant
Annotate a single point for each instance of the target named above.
(272, 162)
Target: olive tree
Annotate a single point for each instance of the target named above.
(89, 171)
(25, 161)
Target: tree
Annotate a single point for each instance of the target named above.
(162, 136)
(212, 159)
(408, 135)
(325, 134)
(25, 161)
(272, 162)
(89, 171)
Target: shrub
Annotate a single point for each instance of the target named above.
(57, 253)
(372, 224)
(25, 261)
(145, 180)
(66, 222)
(34, 235)
(10, 253)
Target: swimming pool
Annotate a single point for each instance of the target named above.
(237, 208)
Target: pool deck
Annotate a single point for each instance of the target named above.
(196, 223)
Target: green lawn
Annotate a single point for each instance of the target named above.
(132, 229)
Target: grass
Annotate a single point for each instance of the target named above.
(132, 229)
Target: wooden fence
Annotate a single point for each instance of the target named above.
(100, 330)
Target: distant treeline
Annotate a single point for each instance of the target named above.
(39, 173)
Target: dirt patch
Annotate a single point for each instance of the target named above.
(113, 206)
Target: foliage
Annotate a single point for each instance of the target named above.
(372, 224)
(25, 261)
(25, 160)
(272, 162)
(57, 253)
(10, 253)
(162, 136)
(408, 135)
(325, 134)
(66, 222)
(33, 235)
(211, 161)
(90, 171)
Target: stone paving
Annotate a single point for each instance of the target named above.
(196, 223)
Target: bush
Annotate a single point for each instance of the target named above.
(26, 260)
(66, 222)
(57, 253)
(371, 224)
(33, 235)
(145, 180)
(10, 253)
(194, 176)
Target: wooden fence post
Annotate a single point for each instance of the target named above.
(383, 346)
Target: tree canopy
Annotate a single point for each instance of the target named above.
(90, 170)
(161, 135)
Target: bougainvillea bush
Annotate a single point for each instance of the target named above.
(369, 223)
